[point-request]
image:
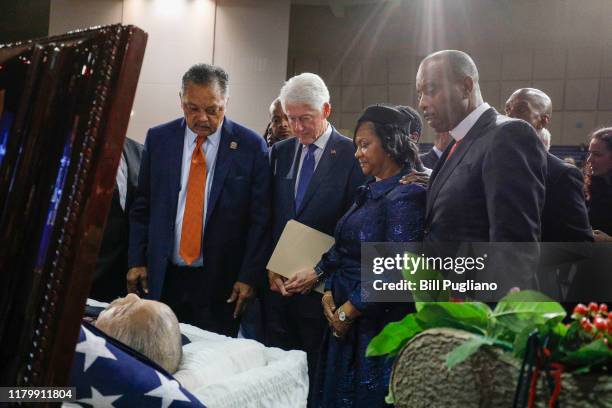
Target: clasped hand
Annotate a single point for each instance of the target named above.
(302, 282)
(339, 328)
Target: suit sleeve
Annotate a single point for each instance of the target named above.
(573, 206)
(328, 263)
(514, 177)
(257, 250)
(404, 222)
(139, 212)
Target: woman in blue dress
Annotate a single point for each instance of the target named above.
(384, 211)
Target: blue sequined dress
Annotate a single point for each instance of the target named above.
(385, 211)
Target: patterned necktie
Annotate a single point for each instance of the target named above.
(306, 172)
(191, 232)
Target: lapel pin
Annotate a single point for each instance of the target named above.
(233, 145)
(333, 152)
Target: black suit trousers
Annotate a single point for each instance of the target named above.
(289, 327)
(183, 292)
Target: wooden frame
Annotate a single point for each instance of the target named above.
(65, 103)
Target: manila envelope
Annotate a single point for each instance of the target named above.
(299, 247)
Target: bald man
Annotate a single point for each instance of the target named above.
(565, 217)
(490, 184)
(147, 326)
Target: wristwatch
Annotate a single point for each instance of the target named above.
(342, 315)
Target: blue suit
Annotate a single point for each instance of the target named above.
(236, 233)
(298, 321)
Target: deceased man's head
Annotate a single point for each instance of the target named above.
(147, 326)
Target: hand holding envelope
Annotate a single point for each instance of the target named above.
(299, 249)
(301, 282)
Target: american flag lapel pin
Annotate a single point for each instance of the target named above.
(333, 152)
(233, 145)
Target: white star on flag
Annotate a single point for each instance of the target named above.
(168, 391)
(93, 347)
(100, 401)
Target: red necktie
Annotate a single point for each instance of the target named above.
(452, 150)
(191, 232)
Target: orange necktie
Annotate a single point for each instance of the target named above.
(191, 233)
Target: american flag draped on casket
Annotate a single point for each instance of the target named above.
(106, 373)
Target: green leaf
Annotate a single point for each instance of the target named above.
(393, 337)
(469, 316)
(524, 310)
(520, 342)
(429, 275)
(390, 399)
(465, 350)
(589, 355)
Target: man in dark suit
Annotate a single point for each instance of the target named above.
(199, 236)
(108, 281)
(490, 184)
(430, 159)
(565, 217)
(315, 176)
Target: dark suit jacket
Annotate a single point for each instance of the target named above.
(236, 230)
(491, 189)
(112, 263)
(331, 190)
(429, 159)
(330, 193)
(600, 204)
(565, 217)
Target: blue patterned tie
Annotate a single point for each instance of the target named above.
(308, 165)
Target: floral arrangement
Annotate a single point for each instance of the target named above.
(582, 345)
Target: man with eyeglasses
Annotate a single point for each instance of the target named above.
(315, 176)
(199, 235)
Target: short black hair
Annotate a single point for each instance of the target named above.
(206, 74)
(416, 123)
(395, 135)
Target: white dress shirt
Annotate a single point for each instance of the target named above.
(437, 151)
(321, 142)
(210, 148)
(459, 132)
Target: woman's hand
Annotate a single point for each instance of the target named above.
(415, 177)
(601, 236)
(329, 307)
(302, 282)
(343, 318)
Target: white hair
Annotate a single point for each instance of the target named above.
(157, 335)
(544, 136)
(306, 88)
